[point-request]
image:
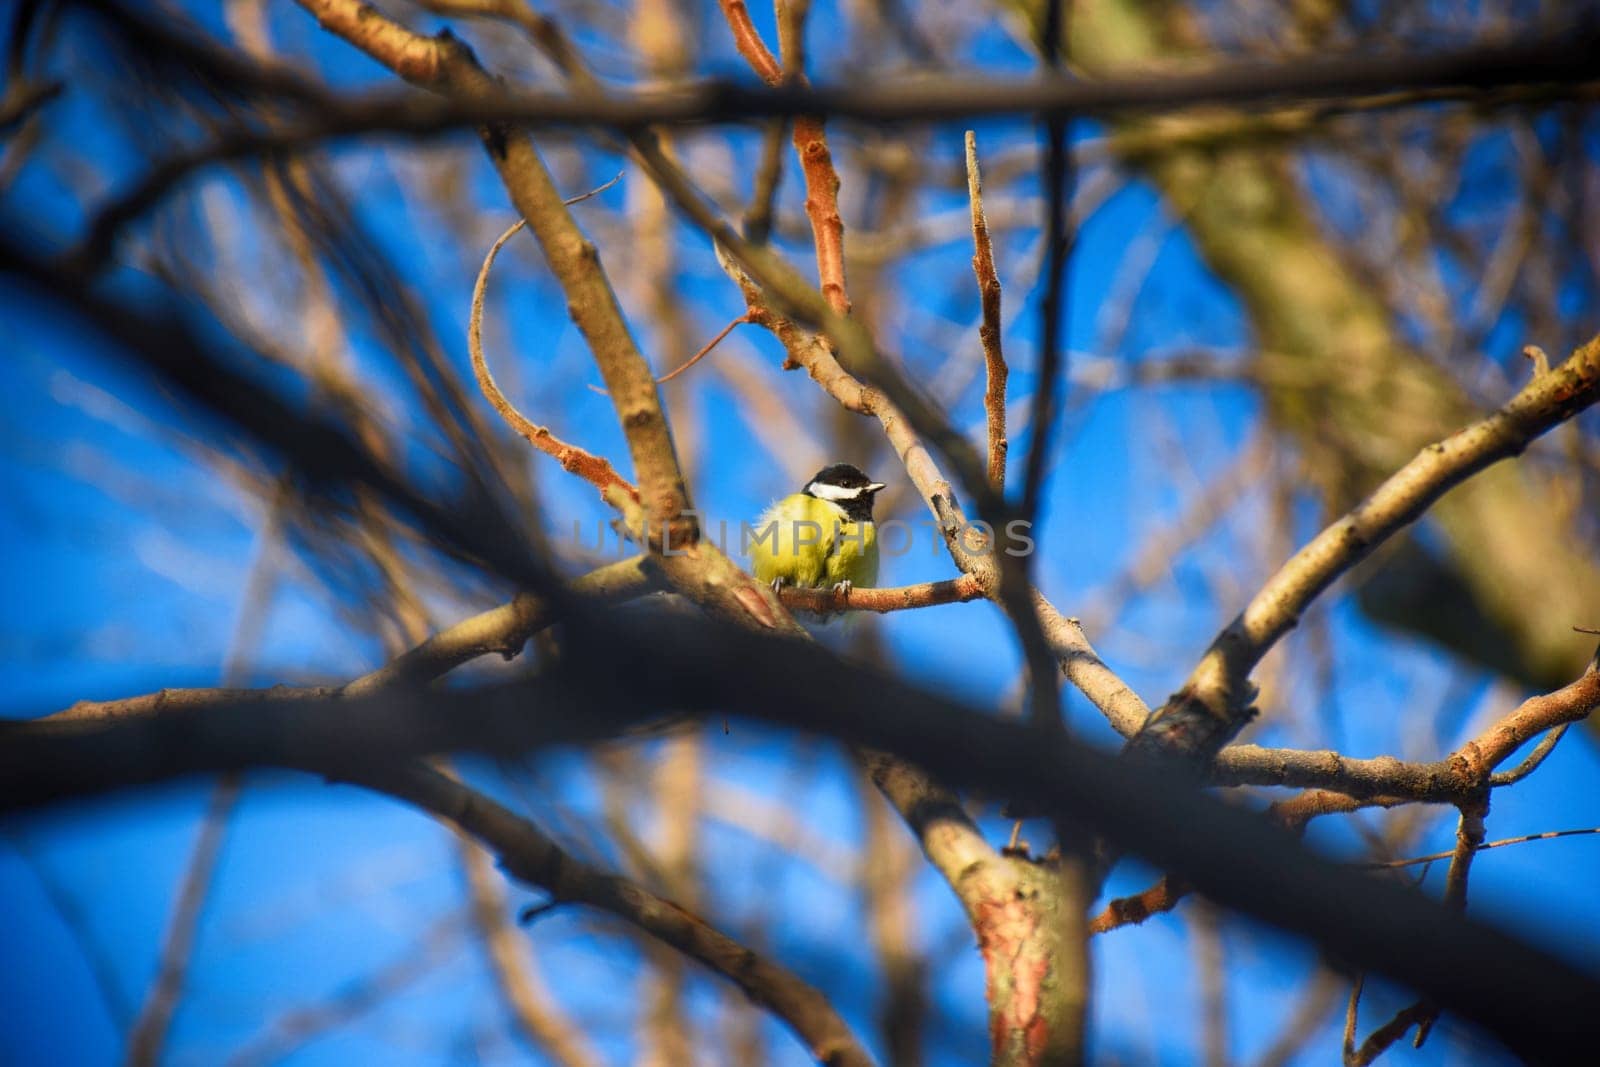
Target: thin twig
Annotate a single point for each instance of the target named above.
(1161, 897)
(887, 874)
(994, 360)
(591, 468)
(148, 1036)
(810, 140)
(1469, 836)
(149, 1031)
(1548, 835)
(769, 176)
(883, 600)
(709, 345)
(282, 1036)
(1209, 956)
(1540, 752)
(692, 360)
(596, 191)
(1305, 1022)
(542, 1022)
(1054, 314)
(1351, 1013)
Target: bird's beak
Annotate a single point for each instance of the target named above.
(873, 487)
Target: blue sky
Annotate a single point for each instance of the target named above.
(125, 562)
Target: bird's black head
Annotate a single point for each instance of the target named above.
(846, 486)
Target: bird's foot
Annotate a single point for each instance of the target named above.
(843, 588)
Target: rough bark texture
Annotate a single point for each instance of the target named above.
(1029, 918)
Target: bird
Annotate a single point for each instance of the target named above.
(821, 537)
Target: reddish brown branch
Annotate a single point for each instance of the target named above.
(749, 43)
(593, 469)
(447, 66)
(705, 351)
(898, 598)
(994, 360)
(822, 208)
(810, 143)
(1130, 911)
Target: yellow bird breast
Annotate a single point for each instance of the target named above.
(804, 541)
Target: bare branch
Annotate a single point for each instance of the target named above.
(283, 1035)
(447, 66)
(705, 349)
(525, 852)
(1161, 897)
(591, 468)
(149, 1031)
(1229, 855)
(1543, 749)
(994, 360)
(769, 175)
(810, 142)
(503, 630)
(883, 599)
(544, 1024)
(1523, 839)
(1214, 702)
(1451, 780)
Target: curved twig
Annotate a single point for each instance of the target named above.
(704, 351)
(586, 465)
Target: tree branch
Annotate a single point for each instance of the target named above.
(544, 1025)
(1213, 704)
(527, 853)
(1232, 857)
(504, 629)
(885, 599)
(593, 469)
(994, 359)
(810, 140)
(445, 65)
(1452, 780)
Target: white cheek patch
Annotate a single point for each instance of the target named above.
(834, 492)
